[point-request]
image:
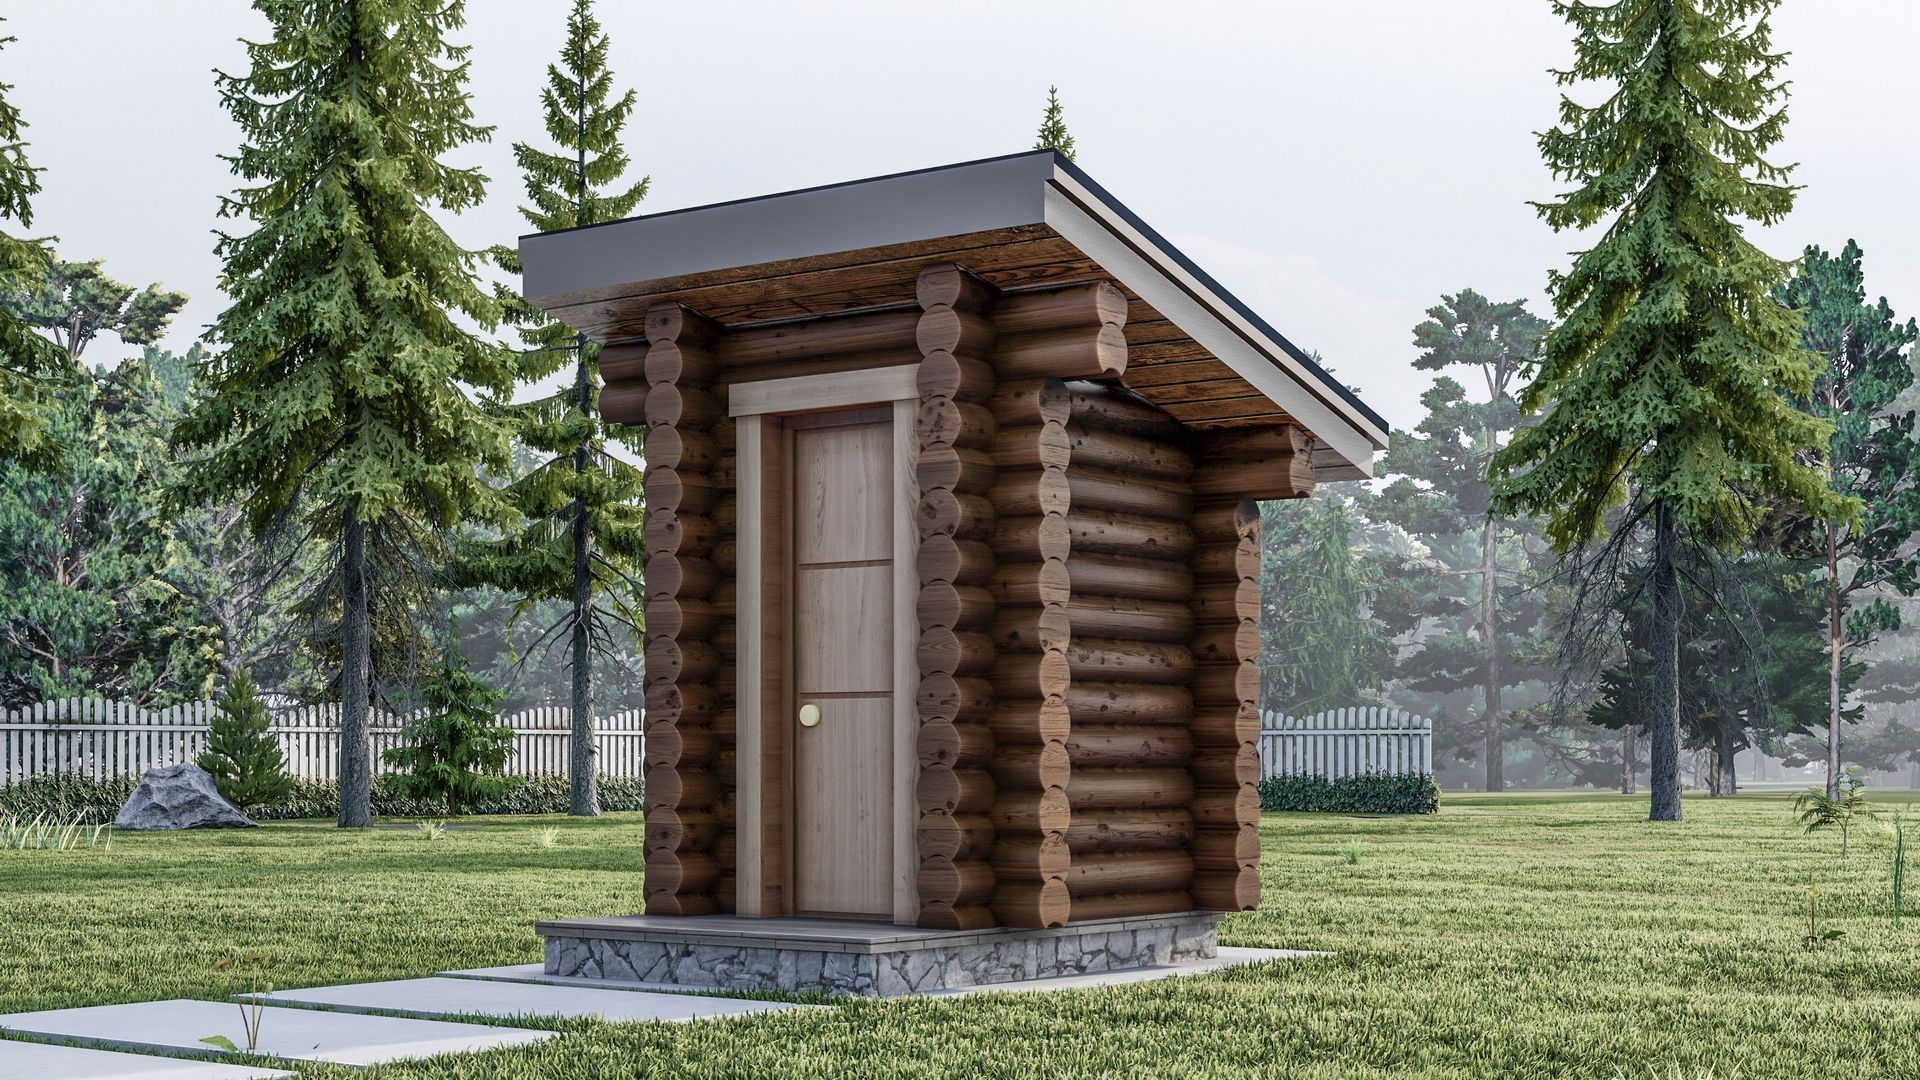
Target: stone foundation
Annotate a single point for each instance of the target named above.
(860, 958)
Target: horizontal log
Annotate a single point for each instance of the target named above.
(1140, 496)
(1020, 403)
(670, 362)
(1229, 684)
(1153, 746)
(1032, 905)
(939, 742)
(942, 603)
(941, 696)
(681, 534)
(962, 378)
(945, 420)
(1030, 722)
(1085, 304)
(1031, 629)
(1031, 583)
(955, 652)
(680, 617)
(1094, 789)
(1226, 849)
(1125, 534)
(681, 492)
(1102, 574)
(1129, 618)
(1226, 601)
(954, 286)
(954, 791)
(938, 916)
(1125, 905)
(682, 872)
(680, 704)
(662, 902)
(680, 830)
(1031, 539)
(1225, 520)
(1031, 493)
(1133, 455)
(968, 836)
(962, 562)
(1031, 858)
(1219, 767)
(1107, 873)
(624, 403)
(671, 320)
(1129, 702)
(1041, 446)
(1130, 829)
(944, 329)
(1113, 660)
(673, 746)
(1285, 476)
(836, 336)
(1030, 767)
(675, 404)
(940, 880)
(1094, 405)
(961, 468)
(680, 788)
(1227, 643)
(1018, 676)
(1228, 808)
(1226, 890)
(1030, 814)
(1077, 352)
(943, 512)
(623, 362)
(681, 661)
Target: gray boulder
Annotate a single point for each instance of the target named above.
(179, 797)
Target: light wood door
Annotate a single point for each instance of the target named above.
(842, 653)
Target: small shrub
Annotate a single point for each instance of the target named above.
(1842, 810)
(456, 750)
(1350, 852)
(1367, 793)
(432, 830)
(548, 837)
(243, 755)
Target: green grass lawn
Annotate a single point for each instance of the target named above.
(1505, 937)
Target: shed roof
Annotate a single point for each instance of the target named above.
(1022, 221)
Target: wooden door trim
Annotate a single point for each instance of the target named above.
(764, 795)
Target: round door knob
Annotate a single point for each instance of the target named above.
(809, 715)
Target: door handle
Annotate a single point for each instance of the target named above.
(809, 715)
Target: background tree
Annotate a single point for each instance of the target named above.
(454, 748)
(1323, 644)
(1053, 127)
(243, 755)
(26, 358)
(1442, 497)
(583, 541)
(338, 395)
(1663, 381)
(75, 302)
(1872, 456)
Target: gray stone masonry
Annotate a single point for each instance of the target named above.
(857, 958)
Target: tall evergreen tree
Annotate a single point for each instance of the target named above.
(1872, 456)
(1664, 379)
(1323, 642)
(583, 539)
(1053, 127)
(338, 395)
(76, 302)
(1442, 496)
(27, 360)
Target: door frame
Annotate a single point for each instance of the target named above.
(763, 590)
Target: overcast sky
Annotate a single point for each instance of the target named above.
(1338, 166)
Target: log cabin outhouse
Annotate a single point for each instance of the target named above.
(952, 583)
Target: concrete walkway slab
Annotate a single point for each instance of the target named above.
(288, 1034)
(1228, 957)
(45, 1061)
(475, 997)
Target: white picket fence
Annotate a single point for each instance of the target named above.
(1345, 742)
(91, 737)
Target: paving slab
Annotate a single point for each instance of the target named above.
(46, 1061)
(1228, 957)
(500, 998)
(288, 1034)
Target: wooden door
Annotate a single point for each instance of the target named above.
(842, 645)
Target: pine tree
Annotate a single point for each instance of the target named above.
(1663, 381)
(242, 754)
(337, 393)
(454, 749)
(1872, 456)
(583, 539)
(1322, 645)
(1442, 497)
(28, 362)
(1053, 128)
(76, 302)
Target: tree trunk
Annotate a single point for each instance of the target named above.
(581, 763)
(1834, 641)
(1729, 780)
(1629, 759)
(1663, 685)
(1489, 629)
(356, 671)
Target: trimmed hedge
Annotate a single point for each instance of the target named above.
(1368, 793)
(64, 798)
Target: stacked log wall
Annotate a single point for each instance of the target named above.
(1131, 741)
(955, 520)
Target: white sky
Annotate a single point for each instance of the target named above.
(1337, 165)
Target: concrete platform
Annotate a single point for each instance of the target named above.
(437, 997)
(871, 959)
(287, 1034)
(45, 1061)
(1224, 957)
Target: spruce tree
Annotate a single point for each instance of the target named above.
(1872, 456)
(242, 754)
(582, 541)
(337, 394)
(1053, 128)
(454, 749)
(28, 362)
(1666, 383)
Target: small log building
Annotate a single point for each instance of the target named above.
(952, 584)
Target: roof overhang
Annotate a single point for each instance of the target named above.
(1020, 221)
